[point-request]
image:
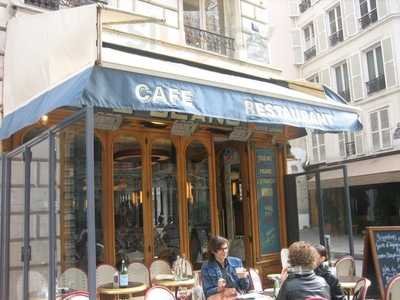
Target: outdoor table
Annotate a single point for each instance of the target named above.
(131, 289)
(348, 283)
(274, 276)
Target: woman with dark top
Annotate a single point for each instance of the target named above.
(299, 280)
(223, 273)
(323, 271)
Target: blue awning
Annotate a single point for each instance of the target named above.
(110, 88)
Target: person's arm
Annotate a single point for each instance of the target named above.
(210, 281)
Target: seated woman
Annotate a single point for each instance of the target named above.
(223, 273)
(299, 279)
(323, 271)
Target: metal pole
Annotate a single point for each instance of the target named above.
(2, 223)
(91, 245)
(320, 207)
(26, 255)
(348, 211)
(52, 217)
(6, 232)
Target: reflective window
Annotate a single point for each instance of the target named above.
(128, 199)
(198, 198)
(165, 200)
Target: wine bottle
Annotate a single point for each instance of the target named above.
(123, 275)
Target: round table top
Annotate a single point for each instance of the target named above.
(274, 276)
(348, 282)
(188, 282)
(133, 287)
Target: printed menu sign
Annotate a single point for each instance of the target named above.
(384, 253)
(268, 209)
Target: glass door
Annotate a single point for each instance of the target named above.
(232, 198)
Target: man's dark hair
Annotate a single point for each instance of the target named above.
(321, 250)
(214, 244)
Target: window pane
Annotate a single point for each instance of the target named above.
(379, 61)
(215, 16)
(372, 4)
(371, 65)
(339, 17)
(384, 116)
(376, 141)
(165, 200)
(374, 121)
(346, 77)
(314, 139)
(128, 199)
(363, 7)
(322, 153)
(339, 78)
(315, 154)
(332, 21)
(321, 138)
(386, 138)
(198, 196)
(191, 13)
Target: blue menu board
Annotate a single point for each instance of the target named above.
(268, 208)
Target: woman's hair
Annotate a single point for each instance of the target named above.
(321, 250)
(302, 254)
(214, 244)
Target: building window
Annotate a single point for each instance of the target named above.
(318, 146)
(368, 13)
(350, 143)
(314, 78)
(309, 41)
(380, 129)
(204, 22)
(304, 5)
(342, 81)
(376, 74)
(335, 26)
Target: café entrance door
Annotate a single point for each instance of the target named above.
(233, 197)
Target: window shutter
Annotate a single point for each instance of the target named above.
(356, 78)
(382, 7)
(388, 61)
(350, 22)
(294, 8)
(296, 45)
(359, 142)
(321, 33)
(325, 77)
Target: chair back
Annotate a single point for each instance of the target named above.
(255, 280)
(138, 272)
(37, 284)
(361, 288)
(393, 288)
(159, 293)
(73, 278)
(76, 295)
(284, 257)
(186, 266)
(104, 274)
(345, 266)
(159, 266)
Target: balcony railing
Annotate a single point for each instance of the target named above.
(310, 53)
(209, 41)
(376, 84)
(336, 37)
(345, 94)
(369, 18)
(304, 5)
(57, 4)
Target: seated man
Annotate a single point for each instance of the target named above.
(223, 273)
(323, 271)
(299, 279)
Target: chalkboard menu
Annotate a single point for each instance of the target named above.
(384, 251)
(268, 208)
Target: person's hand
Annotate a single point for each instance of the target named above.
(229, 293)
(241, 272)
(284, 274)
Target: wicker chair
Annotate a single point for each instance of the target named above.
(159, 293)
(104, 274)
(345, 266)
(361, 288)
(159, 266)
(138, 272)
(73, 278)
(77, 295)
(393, 288)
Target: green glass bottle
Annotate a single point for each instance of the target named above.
(123, 275)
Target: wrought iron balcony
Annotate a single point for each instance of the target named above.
(209, 41)
(369, 18)
(304, 5)
(350, 148)
(345, 94)
(336, 37)
(310, 53)
(376, 84)
(57, 4)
